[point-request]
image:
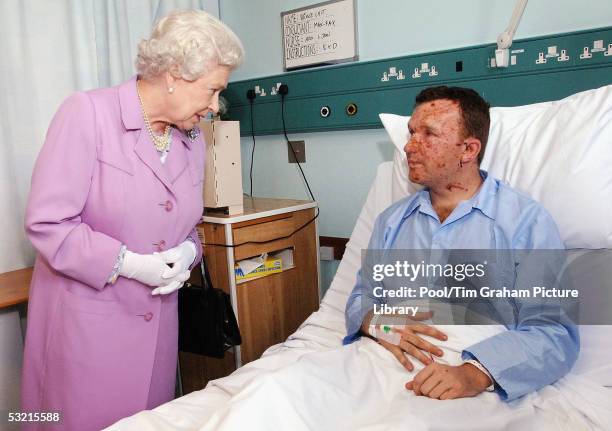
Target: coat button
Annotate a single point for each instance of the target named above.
(160, 245)
(148, 316)
(168, 206)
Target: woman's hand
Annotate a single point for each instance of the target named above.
(180, 257)
(149, 269)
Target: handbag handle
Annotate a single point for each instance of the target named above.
(205, 275)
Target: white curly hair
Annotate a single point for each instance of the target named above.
(191, 40)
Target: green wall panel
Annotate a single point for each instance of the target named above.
(360, 83)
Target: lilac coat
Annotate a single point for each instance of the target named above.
(99, 352)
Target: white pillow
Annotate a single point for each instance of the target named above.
(559, 153)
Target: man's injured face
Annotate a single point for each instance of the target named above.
(436, 144)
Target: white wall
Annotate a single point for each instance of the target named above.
(341, 165)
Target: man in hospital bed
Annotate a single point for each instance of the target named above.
(461, 207)
(312, 381)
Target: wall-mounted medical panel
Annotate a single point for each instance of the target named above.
(351, 96)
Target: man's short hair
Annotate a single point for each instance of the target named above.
(474, 110)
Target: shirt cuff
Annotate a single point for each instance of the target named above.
(117, 267)
(354, 318)
(481, 367)
(495, 374)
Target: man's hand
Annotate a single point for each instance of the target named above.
(447, 382)
(411, 342)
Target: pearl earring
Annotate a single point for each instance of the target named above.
(170, 90)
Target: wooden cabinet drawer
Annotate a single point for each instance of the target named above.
(265, 232)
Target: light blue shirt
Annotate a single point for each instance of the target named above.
(528, 356)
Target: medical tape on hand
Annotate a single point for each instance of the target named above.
(385, 333)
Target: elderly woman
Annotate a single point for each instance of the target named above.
(116, 194)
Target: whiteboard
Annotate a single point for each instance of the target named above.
(323, 33)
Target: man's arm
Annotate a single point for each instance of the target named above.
(528, 357)
(358, 307)
(544, 344)
(359, 315)
(361, 300)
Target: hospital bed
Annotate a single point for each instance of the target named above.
(560, 153)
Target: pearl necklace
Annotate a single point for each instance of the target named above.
(162, 143)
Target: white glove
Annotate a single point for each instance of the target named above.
(146, 268)
(181, 257)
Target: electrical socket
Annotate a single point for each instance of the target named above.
(326, 253)
(300, 152)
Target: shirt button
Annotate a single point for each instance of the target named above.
(148, 316)
(168, 206)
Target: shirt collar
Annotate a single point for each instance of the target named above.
(131, 112)
(418, 203)
(482, 200)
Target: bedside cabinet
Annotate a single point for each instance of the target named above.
(271, 307)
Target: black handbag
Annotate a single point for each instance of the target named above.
(207, 324)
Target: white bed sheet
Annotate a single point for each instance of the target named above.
(261, 394)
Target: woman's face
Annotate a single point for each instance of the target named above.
(192, 100)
